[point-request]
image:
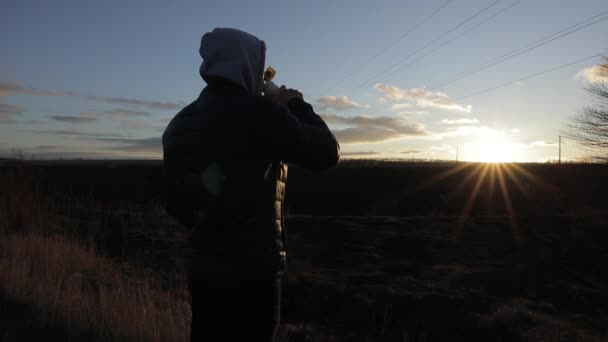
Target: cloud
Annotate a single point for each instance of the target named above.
(8, 112)
(594, 74)
(117, 112)
(360, 153)
(515, 130)
(421, 98)
(133, 102)
(93, 135)
(458, 131)
(47, 147)
(73, 119)
(401, 105)
(412, 112)
(339, 103)
(462, 121)
(410, 152)
(543, 143)
(9, 109)
(444, 147)
(11, 88)
(373, 129)
(134, 124)
(153, 144)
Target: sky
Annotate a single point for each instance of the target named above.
(102, 79)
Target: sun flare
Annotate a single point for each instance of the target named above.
(493, 147)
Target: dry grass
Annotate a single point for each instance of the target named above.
(90, 295)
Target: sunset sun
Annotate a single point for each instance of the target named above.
(493, 147)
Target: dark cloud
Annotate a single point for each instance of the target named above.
(47, 147)
(117, 112)
(93, 135)
(153, 144)
(73, 119)
(10, 88)
(410, 152)
(373, 129)
(8, 111)
(134, 102)
(58, 153)
(32, 122)
(360, 153)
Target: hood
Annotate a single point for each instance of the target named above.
(235, 56)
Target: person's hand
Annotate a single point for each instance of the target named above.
(286, 94)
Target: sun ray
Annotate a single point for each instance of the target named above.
(509, 205)
(492, 183)
(466, 180)
(439, 177)
(524, 191)
(470, 201)
(529, 175)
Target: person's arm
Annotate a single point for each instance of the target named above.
(296, 134)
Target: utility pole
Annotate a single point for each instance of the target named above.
(560, 150)
(457, 147)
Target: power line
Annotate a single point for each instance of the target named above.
(534, 45)
(460, 35)
(527, 77)
(373, 78)
(525, 49)
(387, 47)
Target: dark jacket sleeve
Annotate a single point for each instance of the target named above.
(296, 134)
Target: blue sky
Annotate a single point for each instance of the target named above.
(102, 79)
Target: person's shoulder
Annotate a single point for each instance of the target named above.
(263, 102)
(267, 107)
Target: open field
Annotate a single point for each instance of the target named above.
(376, 253)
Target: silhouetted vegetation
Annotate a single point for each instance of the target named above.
(377, 252)
(590, 127)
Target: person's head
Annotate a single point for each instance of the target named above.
(234, 56)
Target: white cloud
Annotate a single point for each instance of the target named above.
(412, 112)
(401, 105)
(361, 129)
(543, 143)
(421, 98)
(515, 130)
(458, 131)
(359, 153)
(444, 147)
(594, 74)
(462, 121)
(339, 103)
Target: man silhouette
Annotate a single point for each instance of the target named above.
(226, 157)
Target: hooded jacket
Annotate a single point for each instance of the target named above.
(226, 157)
